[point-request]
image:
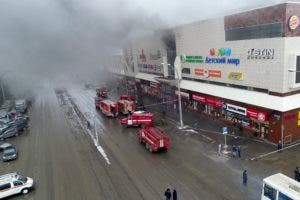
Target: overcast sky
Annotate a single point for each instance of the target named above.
(55, 40)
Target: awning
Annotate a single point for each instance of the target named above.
(245, 96)
(147, 77)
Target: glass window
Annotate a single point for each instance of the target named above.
(283, 197)
(260, 31)
(16, 183)
(270, 192)
(298, 70)
(4, 186)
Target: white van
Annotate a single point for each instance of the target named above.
(280, 187)
(21, 105)
(13, 183)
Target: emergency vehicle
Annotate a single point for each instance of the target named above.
(137, 119)
(101, 92)
(98, 101)
(126, 104)
(153, 138)
(109, 108)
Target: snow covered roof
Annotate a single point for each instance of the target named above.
(245, 96)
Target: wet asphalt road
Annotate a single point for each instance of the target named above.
(63, 160)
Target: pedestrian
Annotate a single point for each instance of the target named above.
(297, 174)
(168, 194)
(279, 146)
(219, 149)
(174, 194)
(239, 151)
(88, 124)
(245, 177)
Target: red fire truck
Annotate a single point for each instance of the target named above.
(109, 108)
(102, 92)
(138, 119)
(153, 138)
(126, 104)
(98, 101)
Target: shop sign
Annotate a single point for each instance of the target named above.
(260, 116)
(290, 116)
(237, 76)
(183, 94)
(142, 56)
(208, 100)
(155, 56)
(197, 97)
(208, 73)
(191, 59)
(260, 54)
(293, 22)
(235, 109)
(150, 68)
(223, 53)
(214, 102)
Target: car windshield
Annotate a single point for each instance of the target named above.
(9, 151)
(22, 178)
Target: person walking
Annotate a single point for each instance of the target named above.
(279, 146)
(168, 194)
(245, 177)
(174, 194)
(297, 174)
(239, 151)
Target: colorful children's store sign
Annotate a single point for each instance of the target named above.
(216, 56)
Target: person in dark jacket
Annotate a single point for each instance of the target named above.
(168, 194)
(174, 194)
(245, 177)
(297, 174)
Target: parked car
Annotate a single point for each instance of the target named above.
(7, 131)
(21, 123)
(4, 145)
(9, 153)
(13, 183)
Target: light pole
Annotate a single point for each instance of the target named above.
(179, 97)
(2, 88)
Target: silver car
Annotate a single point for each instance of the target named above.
(9, 153)
(7, 131)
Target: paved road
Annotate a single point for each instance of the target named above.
(61, 156)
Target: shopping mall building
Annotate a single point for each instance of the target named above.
(242, 69)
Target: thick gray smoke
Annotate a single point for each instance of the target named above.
(60, 41)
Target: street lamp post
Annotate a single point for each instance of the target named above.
(179, 97)
(2, 88)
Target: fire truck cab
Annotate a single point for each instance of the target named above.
(153, 138)
(102, 92)
(138, 119)
(109, 108)
(126, 104)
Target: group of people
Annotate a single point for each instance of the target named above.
(169, 195)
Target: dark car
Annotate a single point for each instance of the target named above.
(9, 153)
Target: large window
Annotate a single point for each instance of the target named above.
(298, 70)
(270, 192)
(253, 32)
(283, 197)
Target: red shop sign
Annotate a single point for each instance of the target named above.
(208, 100)
(261, 116)
(197, 97)
(214, 102)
